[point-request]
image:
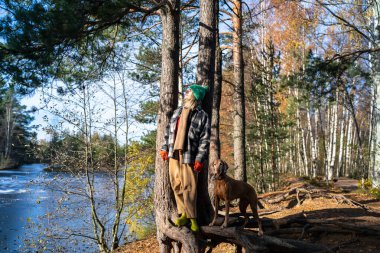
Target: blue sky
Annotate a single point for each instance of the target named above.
(103, 119)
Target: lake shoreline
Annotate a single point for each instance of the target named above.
(11, 166)
(64, 168)
(35, 204)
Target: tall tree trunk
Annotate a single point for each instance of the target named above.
(118, 200)
(205, 77)
(349, 145)
(372, 128)
(313, 145)
(163, 196)
(238, 96)
(216, 99)
(273, 121)
(353, 150)
(300, 152)
(329, 145)
(360, 160)
(9, 123)
(333, 136)
(316, 123)
(376, 85)
(180, 67)
(304, 148)
(323, 139)
(208, 69)
(339, 169)
(345, 143)
(217, 94)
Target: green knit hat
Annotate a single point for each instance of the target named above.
(199, 91)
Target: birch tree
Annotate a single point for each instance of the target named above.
(332, 140)
(376, 86)
(339, 167)
(313, 143)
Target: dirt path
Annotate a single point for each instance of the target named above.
(346, 184)
(350, 186)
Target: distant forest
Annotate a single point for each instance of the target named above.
(17, 136)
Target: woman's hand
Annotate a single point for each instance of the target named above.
(164, 155)
(198, 166)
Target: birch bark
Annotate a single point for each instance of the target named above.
(313, 146)
(376, 84)
(349, 146)
(333, 137)
(339, 168)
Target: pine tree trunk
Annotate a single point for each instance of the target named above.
(164, 201)
(211, 103)
(217, 95)
(238, 96)
(180, 67)
(210, 68)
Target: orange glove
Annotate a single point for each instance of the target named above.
(198, 166)
(164, 155)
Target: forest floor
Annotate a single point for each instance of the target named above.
(342, 217)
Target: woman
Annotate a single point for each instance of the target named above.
(186, 145)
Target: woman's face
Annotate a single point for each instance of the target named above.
(188, 93)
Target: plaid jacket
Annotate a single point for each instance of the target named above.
(198, 137)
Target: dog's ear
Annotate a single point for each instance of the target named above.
(224, 166)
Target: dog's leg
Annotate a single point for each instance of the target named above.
(216, 203)
(225, 223)
(243, 209)
(256, 215)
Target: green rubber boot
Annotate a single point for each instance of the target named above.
(194, 226)
(181, 221)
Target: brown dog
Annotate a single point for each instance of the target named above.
(227, 189)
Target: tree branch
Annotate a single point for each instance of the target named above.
(343, 20)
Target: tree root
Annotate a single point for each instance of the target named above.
(251, 242)
(308, 191)
(299, 226)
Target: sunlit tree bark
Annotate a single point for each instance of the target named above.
(376, 85)
(238, 95)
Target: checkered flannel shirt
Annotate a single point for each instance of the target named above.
(198, 137)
